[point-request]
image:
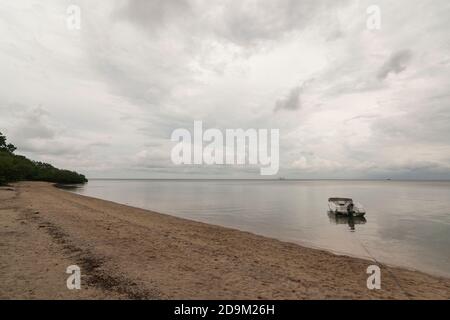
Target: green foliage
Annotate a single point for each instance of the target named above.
(17, 168)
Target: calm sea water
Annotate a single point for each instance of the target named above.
(407, 223)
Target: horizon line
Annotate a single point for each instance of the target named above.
(277, 179)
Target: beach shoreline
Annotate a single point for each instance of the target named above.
(131, 253)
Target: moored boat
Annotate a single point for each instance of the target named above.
(345, 206)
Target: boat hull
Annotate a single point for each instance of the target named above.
(345, 213)
(340, 208)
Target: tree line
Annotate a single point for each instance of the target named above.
(15, 167)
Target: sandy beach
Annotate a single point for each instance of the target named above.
(130, 253)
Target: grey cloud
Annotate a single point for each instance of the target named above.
(335, 35)
(189, 24)
(245, 23)
(32, 125)
(362, 116)
(248, 22)
(415, 127)
(155, 14)
(396, 63)
(47, 148)
(291, 102)
(35, 132)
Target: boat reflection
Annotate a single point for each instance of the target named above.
(344, 219)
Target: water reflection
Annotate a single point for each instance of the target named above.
(351, 221)
(71, 187)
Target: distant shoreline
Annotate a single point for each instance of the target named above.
(131, 253)
(262, 179)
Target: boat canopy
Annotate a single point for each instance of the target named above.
(340, 200)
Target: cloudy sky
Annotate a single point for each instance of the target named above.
(350, 102)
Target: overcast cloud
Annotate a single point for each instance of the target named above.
(349, 102)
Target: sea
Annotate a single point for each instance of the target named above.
(407, 223)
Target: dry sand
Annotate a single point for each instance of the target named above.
(129, 253)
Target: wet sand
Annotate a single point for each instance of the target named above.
(130, 253)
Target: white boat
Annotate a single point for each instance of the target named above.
(340, 206)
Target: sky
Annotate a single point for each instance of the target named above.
(351, 102)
